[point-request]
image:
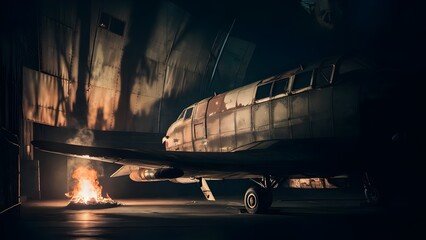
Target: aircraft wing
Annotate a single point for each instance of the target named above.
(272, 158)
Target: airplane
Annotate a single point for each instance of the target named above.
(326, 120)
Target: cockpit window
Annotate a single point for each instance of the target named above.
(324, 76)
(302, 80)
(181, 114)
(188, 113)
(279, 87)
(263, 91)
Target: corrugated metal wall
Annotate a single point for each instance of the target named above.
(127, 66)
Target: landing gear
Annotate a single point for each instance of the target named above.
(258, 199)
(370, 192)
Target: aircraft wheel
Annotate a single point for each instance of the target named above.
(372, 195)
(257, 200)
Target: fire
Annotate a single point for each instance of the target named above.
(86, 189)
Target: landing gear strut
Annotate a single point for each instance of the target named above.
(370, 192)
(259, 198)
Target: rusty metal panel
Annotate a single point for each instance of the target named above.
(230, 100)
(320, 106)
(135, 80)
(143, 117)
(36, 105)
(215, 105)
(199, 130)
(104, 87)
(233, 64)
(227, 122)
(187, 133)
(227, 142)
(261, 116)
(243, 132)
(213, 122)
(200, 112)
(243, 118)
(280, 114)
(261, 120)
(227, 130)
(106, 62)
(213, 143)
(187, 147)
(179, 81)
(245, 95)
(102, 103)
(199, 121)
(299, 115)
(56, 48)
(177, 137)
(200, 146)
(187, 42)
(213, 125)
(244, 137)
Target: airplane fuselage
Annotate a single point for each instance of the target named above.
(336, 118)
(323, 101)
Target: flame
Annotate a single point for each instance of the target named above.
(86, 189)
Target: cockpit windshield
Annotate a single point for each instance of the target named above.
(181, 115)
(186, 113)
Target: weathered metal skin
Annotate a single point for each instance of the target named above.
(320, 101)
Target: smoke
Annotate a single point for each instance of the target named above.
(83, 137)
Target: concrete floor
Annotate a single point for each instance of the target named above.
(186, 219)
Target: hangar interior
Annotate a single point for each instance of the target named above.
(119, 72)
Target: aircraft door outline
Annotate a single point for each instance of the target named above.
(199, 128)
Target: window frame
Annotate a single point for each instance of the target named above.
(181, 115)
(265, 98)
(286, 90)
(112, 24)
(190, 116)
(319, 74)
(294, 78)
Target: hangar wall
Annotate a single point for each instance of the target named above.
(127, 66)
(120, 67)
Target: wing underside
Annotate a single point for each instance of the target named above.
(283, 159)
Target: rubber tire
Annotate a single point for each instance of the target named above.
(257, 200)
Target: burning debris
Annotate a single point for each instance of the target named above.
(87, 192)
